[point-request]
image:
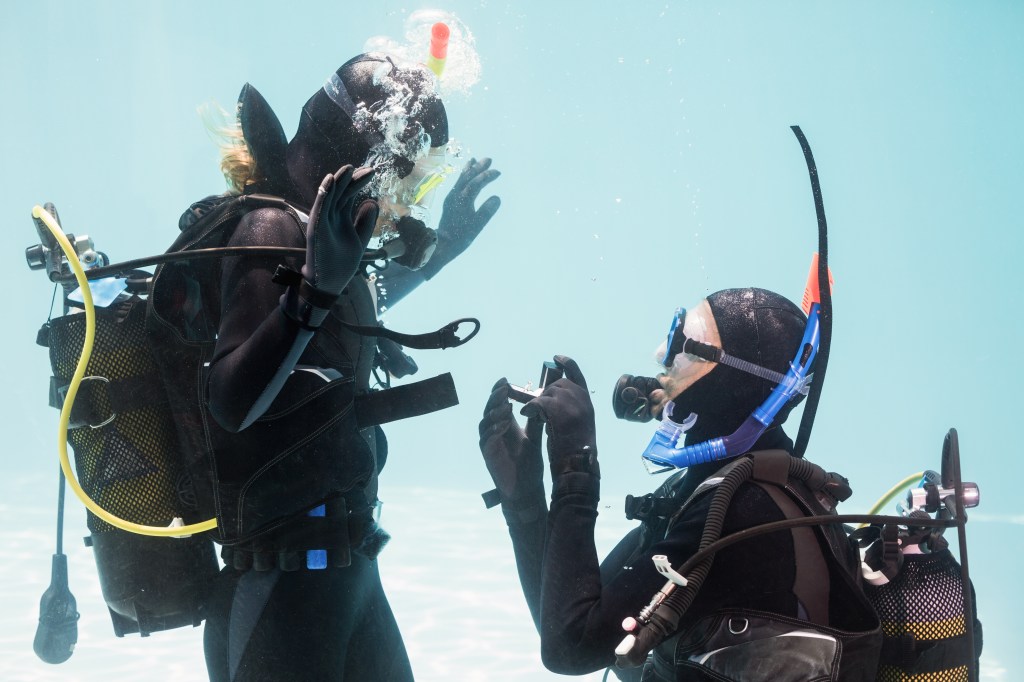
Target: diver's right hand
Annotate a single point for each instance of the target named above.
(336, 236)
(338, 230)
(512, 454)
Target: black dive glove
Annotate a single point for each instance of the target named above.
(336, 237)
(566, 408)
(460, 222)
(513, 458)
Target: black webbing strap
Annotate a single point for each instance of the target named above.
(886, 554)
(917, 658)
(650, 506)
(492, 498)
(811, 578)
(445, 337)
(123, 395)
(408, 400)
(776, 469)
(771, 466)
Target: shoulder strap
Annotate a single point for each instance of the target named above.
(772, 469)
(658, 505)
(715, 480)
(811, 582)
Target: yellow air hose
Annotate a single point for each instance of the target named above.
(893, 492)
(65, 413)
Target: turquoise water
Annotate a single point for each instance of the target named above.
(647, 161)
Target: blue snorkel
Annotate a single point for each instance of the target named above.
(664, 448)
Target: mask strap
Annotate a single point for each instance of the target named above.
(716, 354)
(335, 89)
(679, 342)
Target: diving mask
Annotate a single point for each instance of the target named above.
(414, 194)
(667, 448)
(405, 211)
(670, 353)
(634, 397)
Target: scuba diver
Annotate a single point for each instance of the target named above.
(792, 590)
(296, 460)
(740, 568)
(229, 396)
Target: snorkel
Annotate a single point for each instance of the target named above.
(664, 448)
(405, 199)
(439, 34)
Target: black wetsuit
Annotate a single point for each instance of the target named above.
(579, 605)
(270, 617)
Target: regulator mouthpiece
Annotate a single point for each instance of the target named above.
(631, 398)
(414, 245)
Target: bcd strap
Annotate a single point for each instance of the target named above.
(775, 471)
(885, 555)
(772, 466)
(811, 577)
(445, 337)
(778, 466)
(926, 659)
(650, 506)
(123, 395)
(347, 527)
(403, 402)
(292, 279)
(492, 498)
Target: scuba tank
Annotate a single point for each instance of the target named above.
(126, 455)
(923, 596)
(128, 463)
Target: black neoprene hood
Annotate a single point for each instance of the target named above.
(327, 137)
(756, 325)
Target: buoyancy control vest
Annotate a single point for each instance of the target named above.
(147, 450)
(290, 460)
(749, 645)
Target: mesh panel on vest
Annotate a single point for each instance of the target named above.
(130, 466)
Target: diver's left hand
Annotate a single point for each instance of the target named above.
(566, 408)
(460, 220)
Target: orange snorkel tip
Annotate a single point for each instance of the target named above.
(439, 35)
(812, 291)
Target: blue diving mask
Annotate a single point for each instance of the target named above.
(666, 448)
